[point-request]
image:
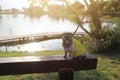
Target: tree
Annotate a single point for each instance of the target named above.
(41, 3)
(92, 10)
(14, 10)
(36, 8)
(109, 7)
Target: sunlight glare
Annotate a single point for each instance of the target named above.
(32, 47)
(61, 3)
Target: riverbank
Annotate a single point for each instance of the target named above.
(4, 12)
(108, 67)
(40, 53)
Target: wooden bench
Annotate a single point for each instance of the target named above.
(46, 64)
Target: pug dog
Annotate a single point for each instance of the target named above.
(68, 45)
(72, 46)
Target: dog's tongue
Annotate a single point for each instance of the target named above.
(67, 41)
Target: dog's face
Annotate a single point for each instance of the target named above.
(67, 39)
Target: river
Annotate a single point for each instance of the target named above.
(21, 24)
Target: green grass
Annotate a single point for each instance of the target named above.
(108, 68)
(41, 53)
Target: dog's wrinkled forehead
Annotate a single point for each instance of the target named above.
(67, 35)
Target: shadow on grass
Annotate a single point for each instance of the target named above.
(89, 75)
(113, 55)
(108, 68)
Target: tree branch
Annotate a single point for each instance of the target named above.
(78, 20)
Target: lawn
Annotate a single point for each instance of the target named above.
(108, 68)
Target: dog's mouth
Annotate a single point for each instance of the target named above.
(67, 42)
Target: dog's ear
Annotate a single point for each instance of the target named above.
(72, 34)
(62, 35)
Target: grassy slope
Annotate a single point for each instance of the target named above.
(108, 68)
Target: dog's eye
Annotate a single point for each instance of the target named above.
(63, 40)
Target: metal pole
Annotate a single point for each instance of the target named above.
(6, 48)
(10, 31)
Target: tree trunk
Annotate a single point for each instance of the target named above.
(93, 11)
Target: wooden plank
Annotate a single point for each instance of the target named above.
(43, 64)
(23, 39)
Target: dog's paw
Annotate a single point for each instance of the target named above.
(70, 58)
(65, 56)
(69, 55)
(83, 56)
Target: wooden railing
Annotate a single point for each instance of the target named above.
(22, 39)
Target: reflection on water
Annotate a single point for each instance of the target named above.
(21, 24)
(55, 44)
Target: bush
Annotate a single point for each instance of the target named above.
(109, 40)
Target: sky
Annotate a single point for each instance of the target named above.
(9, 4)
(18, 4)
